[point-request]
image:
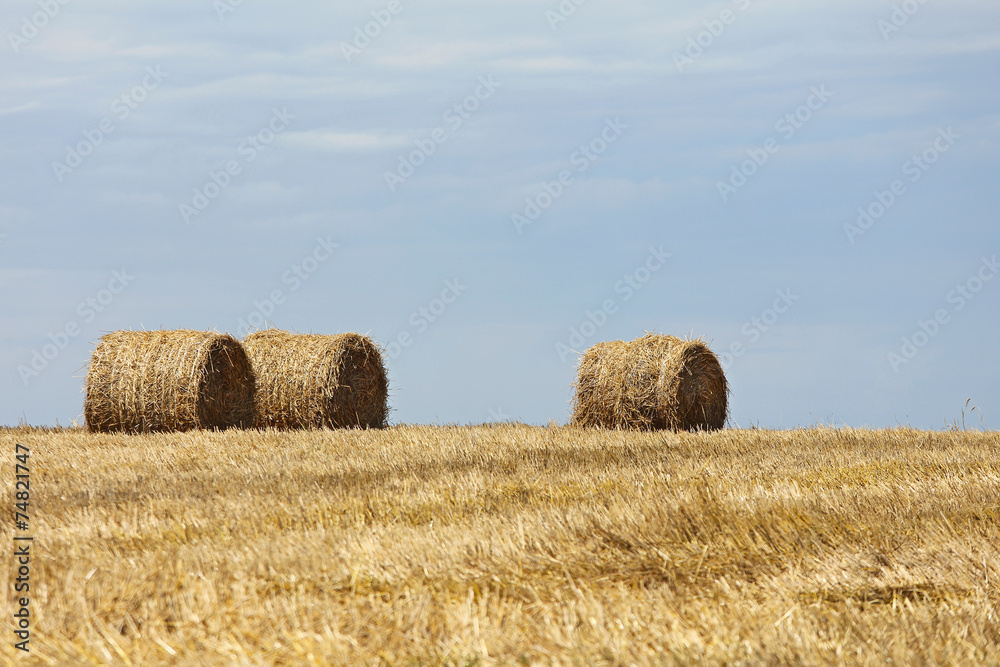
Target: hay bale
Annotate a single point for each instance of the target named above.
(316, 381)
(144, 381)
(653, 382)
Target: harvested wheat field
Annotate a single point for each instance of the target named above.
(511, 544)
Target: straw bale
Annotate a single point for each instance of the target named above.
(653, 382)
(316, 381)
(146, 381)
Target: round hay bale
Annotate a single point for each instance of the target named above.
(316, 381)
(653, 382)
(145, 381)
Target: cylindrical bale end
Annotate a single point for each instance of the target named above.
(653, 382)
(155, 381)
(317, 381)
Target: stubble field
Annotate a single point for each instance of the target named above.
(509, 544)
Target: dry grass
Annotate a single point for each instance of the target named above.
(653, 382)
(155, 381)
(512, 544)
(314, 380)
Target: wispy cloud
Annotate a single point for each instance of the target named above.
(19, 109)
(345, 142)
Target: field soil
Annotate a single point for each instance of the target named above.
(508, 544)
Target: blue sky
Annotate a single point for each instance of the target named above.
(481, 187)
